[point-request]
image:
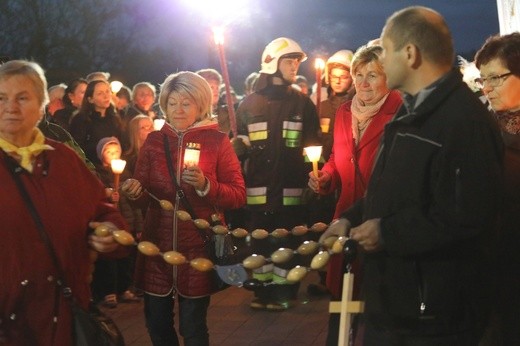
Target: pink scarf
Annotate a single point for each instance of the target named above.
(362, 115)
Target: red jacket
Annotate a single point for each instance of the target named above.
(67, 196)
(220, 165)
(348, 176)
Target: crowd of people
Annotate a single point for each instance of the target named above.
(416, 168)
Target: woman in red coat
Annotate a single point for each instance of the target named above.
(67, 197)
(358, 127)
(212, 185)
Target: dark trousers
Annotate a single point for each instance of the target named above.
(159, 315)
(111, 276)
(374, 336)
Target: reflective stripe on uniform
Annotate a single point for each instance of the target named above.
(280, 275)
(280, 272)
(264, 273)
(293, 125)
(257, 131)
(266, 268)
(256, 195)
(263, 276)
(292, 133)
(292, 196)
(279, 280)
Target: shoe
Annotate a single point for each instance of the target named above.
(258, 304)
(128, 297)
(110, 301)
(317, 290)
(276, 306)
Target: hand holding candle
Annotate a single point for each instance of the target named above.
(192, 174)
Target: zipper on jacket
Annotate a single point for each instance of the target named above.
(175, 221)
(421, 287)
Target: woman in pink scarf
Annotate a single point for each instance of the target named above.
(358, 127)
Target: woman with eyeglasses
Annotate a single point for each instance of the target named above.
(499, 63)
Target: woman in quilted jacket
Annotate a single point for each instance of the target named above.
(211, 185)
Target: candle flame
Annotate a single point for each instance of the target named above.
(115, 86)
(313, 153)
(158, 124)
(319, 64)
(218, 34)
(118, 166)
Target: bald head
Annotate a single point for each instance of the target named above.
(424, 28)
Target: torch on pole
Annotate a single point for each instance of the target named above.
(319, 65)
(218, 34)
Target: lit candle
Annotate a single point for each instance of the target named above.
(115, 86)
(191, 154)
(118, 166)
(319, 65)
(218, 34)
(158, 124)
(314, 154)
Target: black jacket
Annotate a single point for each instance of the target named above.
(278, 122)
(436, 186)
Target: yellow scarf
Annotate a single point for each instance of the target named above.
(26, 154)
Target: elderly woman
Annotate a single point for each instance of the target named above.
(499, 63)
(212, 185)
(68, 198)
(358, 127)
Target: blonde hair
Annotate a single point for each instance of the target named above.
(33, 72)
(189, 84)
(365, 55)
(133, 134)
(143, 85)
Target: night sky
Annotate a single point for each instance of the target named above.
(147, 40)
(320, 26)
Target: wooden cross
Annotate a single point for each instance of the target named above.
(346, 307)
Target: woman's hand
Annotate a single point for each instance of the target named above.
(315, 182)
(132, 189)
(102, 244)
(194, 176)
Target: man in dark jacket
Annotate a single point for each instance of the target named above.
(426, 222)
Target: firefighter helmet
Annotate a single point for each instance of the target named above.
(341, 57)
(277, 49)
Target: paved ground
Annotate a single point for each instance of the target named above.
(232, 322)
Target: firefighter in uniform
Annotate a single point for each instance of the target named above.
(275, 123)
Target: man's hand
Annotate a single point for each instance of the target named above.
(368, 234)
(338, 227)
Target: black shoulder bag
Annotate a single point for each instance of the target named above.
(92, 327)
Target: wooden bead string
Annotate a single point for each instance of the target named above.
(330, 246)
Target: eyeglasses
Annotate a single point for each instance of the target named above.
(341, 78)
(493, 81)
